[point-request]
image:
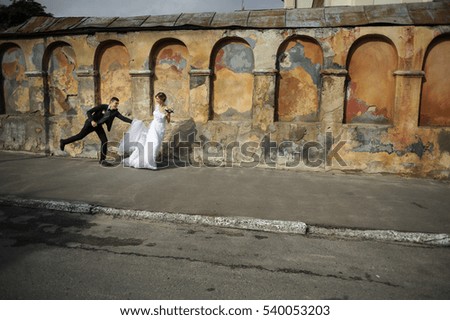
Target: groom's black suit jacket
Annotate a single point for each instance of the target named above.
(101, 114)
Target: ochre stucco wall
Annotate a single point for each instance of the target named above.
(435, 89)
(371, 88)
(378, 96)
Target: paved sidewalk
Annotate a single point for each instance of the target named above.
(322, 201)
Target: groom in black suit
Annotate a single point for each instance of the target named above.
(97, 116)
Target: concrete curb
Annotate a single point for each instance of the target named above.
(224, 222)
(437, 239)
(293, 227)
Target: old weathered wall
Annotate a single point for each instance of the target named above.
(299, 62)
(371, 81)
(15, 86)
(368, 98)
(435, 88)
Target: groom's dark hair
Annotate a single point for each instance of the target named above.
(114, 99)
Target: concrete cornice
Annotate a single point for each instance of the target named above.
(428, 13)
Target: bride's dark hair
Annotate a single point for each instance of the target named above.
(161, 95)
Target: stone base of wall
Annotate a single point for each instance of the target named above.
(284, 146)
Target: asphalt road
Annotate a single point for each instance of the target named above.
(55, 255)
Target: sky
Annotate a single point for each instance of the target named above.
(129, 8)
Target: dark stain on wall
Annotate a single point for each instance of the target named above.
(38, 52)
(232, 114)
(419, 148)
(195, 82)
(370, 141)
(444, 141)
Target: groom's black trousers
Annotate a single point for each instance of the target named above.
(88, 128)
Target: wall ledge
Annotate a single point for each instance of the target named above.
(200, 72)
(86, 73)
(265, 72)
(141, 73)
(35, 74)
(410, 73)
(334, 72)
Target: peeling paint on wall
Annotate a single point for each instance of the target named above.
(370, 141)
(419, 148)
(62, 80)
(172, 77)
(299, 63)
(236, 57)
(15, 83)
(233, 82)
(115, 79)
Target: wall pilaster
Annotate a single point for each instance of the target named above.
(141, 99)
(199, 85)
(86, 88)
(332, 98)
(263, 104)
(36, 90)
(408, 87)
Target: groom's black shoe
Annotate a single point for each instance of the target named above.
(105, 163)
(61, 144)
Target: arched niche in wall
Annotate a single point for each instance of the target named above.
(112, 63)
(370, 92)
(62, 83)
(170, 64)
(299, 61)
(232, 63)
(435, 99)
(14, 90)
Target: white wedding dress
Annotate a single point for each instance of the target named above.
(144, 144)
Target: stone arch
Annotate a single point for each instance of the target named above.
(370, 88)
(60, 65)
(113, 79)
(435, 95)
(14, 89)
(170, 65)
(232, 64)
(299, 62)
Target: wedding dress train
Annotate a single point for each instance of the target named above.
(144, 144)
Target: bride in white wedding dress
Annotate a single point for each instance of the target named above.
(145, 143)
